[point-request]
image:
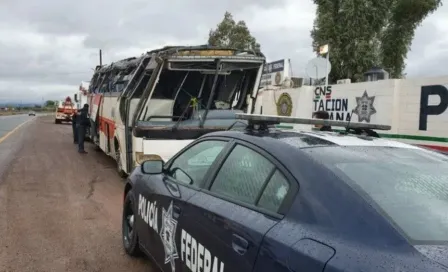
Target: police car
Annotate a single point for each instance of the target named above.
(269, 200)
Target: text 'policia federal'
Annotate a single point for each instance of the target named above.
(193, 253)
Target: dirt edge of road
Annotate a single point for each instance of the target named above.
(60, 210)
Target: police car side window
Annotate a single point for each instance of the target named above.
(242, 175)
(191, 166)
(274, 193)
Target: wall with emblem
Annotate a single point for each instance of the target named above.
(364, 102)
(417, 109)
(368, 102)
(275, 101)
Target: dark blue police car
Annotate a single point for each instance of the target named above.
(270, 200)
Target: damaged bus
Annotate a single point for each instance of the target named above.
(166, 98)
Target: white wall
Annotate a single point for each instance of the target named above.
(409, 114)
(396, 102)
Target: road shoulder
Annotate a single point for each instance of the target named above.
(60, 210)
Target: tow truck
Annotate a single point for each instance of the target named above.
(64, 111)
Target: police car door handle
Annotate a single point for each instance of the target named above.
(176, 211)
(239, 244)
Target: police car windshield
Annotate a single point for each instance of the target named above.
(409, 185)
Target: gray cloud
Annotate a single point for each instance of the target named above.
(429, 51)
(58, 41)
(47, 47)
(120, 24)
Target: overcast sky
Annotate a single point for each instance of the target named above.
(48, 46)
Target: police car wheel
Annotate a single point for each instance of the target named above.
(129, 234)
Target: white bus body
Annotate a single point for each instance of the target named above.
(158, 103)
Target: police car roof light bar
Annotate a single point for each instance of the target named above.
(265, 120)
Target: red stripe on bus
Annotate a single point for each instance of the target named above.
(104, 123)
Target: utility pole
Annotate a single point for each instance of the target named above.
(101, 58)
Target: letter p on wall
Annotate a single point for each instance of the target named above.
(426, 109)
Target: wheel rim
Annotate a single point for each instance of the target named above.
(128, 224)
(118, 158)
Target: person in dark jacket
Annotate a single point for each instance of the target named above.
(75, 131)
(82, 123)
(322, 115)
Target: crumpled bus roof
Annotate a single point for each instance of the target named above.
(167, 51)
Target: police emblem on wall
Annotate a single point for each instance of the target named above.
(278, 78)
(364, 108)
(284, 105)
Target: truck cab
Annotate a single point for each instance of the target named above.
(64, 111)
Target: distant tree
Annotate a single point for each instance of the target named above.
(50, 104)
(366, 33)
(232, 34)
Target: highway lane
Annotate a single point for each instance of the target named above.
(12, 130)
(8, 123)
(60, 210)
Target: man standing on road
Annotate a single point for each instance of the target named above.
(75, 131)
(82, 122)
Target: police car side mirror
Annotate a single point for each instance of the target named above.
(152, 167)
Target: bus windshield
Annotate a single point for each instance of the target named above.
(176, 89)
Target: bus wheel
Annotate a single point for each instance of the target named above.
(96, 143)
(120, 170)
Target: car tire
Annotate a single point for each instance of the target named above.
(129, 234)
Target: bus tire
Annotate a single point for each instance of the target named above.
(120, 170)
(97, 148)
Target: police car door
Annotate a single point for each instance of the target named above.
(224, 225)
(166, 195)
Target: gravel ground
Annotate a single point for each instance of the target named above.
(60, 210)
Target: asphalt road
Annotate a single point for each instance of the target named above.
(59, 210)
(9, 140)
(8, 123)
